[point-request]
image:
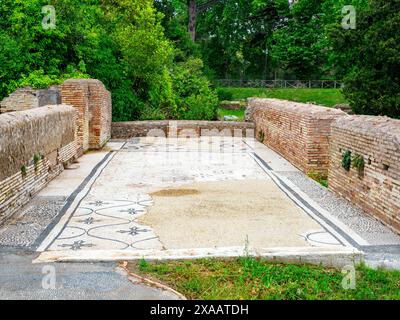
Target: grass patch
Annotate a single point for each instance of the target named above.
(324, 97)
(238, 113)
(320, 178)
(253, 279)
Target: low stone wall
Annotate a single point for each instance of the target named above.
(127, 130)
(34, 147)
(299, 132)
(230, 105)
(28, 98)
(376, 188)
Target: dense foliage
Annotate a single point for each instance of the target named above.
(373, 59)
(120, 42)
(145, 56)
(267, 39)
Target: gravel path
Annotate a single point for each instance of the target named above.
(367, 227)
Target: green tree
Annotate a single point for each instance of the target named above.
(234, 37)
(299, 42)
(372, 83)
(120, 42)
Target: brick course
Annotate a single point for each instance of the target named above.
(55, 134)
(377, 190)
(28, 98)
(299, 132)
(93, 104)
(75, 93)
(46, 134)
(100, 106)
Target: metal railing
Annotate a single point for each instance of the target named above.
(290, 84)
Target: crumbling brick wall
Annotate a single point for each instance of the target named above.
(376, 189)
(299, 132)
(75, 93)
(100, 108)
(28, 98)
(37, 141)
(34, 147)
(93, 104)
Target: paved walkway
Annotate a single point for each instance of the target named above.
(22, 280)
(185, 198)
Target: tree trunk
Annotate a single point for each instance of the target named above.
(192, 18)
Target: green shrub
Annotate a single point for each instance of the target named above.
(36, 159)
(24, 171)
(126, 104)
(224, 95)
(195, 100)
(359, 164)
(39, 80)
(322, 179)
(346, 160)
(200, 107)
(149, 113)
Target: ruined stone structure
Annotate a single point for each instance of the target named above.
(35, 145)
(230, 105)
(28, 98)
(93, 105)
(376, 187)
(299, 132)
(38, 142)
(315, 138)
(127, 130)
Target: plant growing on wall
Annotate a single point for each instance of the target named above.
(359, 164)
(36, 159)
(261, 136)
(346, 160)
(23, 171)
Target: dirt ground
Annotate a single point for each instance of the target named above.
(228, 213)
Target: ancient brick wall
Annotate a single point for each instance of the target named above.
(21, 99)
(28, 98)
(376, 189)
(93, 104)
(100, 108)
(127, 130)
(75, 93)
(299, 132)
(34, 147)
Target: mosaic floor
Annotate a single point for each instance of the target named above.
(106, 214)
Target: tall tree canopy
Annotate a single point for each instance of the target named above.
(145, 50)
(120, 42)
(371, 56)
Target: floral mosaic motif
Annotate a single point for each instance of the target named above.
(133, 231)
(133, 211)
(97, 203)
(77, 245)
(89, 220)
(109, 225)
